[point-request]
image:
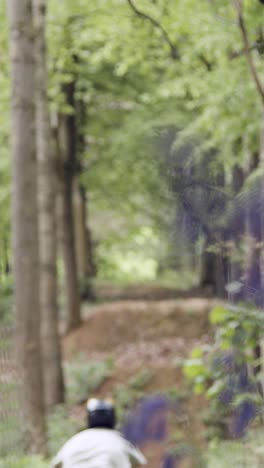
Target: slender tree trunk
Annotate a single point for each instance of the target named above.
(262, 202)
(91, 256)
(52, 368)
(214, 264)
(83, 242)
(25, 222)
(252, 274)
(213, 276)
(83, 239)
(221, 266)
(253, 290)
(7, 268)
(236, 231)
(67, 145)
(207, 275)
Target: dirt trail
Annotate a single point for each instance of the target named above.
(152, 335)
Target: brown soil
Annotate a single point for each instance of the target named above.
(147, 335)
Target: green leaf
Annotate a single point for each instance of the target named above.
(219, 315)
(215, 389)
(194, 368)
(197, 353)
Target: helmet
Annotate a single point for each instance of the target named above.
(101, 413)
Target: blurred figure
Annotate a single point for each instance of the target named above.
(99, 446)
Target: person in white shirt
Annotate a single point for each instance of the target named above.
(99, 446)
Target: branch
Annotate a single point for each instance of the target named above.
(206, 62)
(239, 53)
(173, 49)
(238, 4)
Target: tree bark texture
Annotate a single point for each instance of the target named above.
(67, 169)
(52, 368)
(81, 239)
(213, 276)
(25, 222)
(235, 234)
(83, 242)
(262, 202)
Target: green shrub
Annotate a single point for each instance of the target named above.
(6, 303)
(84, 377)
(23, 462)
(60, 428)
(246, 454)
(221, 371)
(126, 395)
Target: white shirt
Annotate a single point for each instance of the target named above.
(98, 448)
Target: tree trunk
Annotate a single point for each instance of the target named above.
(252, 274)
(235, 233)
(25, 222)
(83, 243)
(214, 264)
(207, 275)
(213, 276)
(67, 164)
(52, 368)
(262, 202)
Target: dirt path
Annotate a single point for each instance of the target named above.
(152, 336)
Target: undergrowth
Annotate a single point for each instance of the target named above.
(23, 462)
(246, 453)
(225, 372)
(84, 377)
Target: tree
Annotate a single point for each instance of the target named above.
(52, 367)
(5, 250)
(83, 242)
(67, 144)
(25, 221)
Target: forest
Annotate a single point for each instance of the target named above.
(132, 227)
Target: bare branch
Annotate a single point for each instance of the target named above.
(206, 62)
(238, 5)
(239, 53)
(173, 49)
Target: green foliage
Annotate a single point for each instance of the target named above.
(216, 370)
(236, 329)
(11, 438)
(84, 377)
(5, 188)
(61, 426)
(23, 462)
(6, 302)
(133, 90)
(128, 394)
(247, 454)
(126, 255)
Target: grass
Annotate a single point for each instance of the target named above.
(23, 462)
(84, 377)
(60, 428)
(245, 453)
(182, 280)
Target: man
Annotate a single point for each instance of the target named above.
(99, 446)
